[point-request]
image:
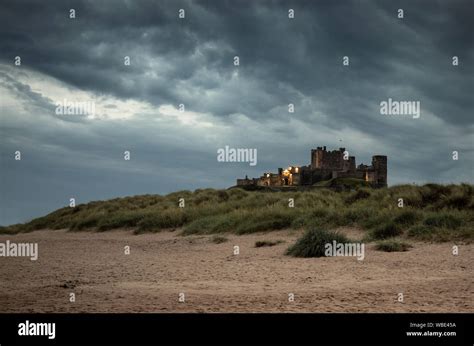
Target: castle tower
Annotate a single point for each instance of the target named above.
(351, 164)
(317, 157)
(379, 165)
(328, 160)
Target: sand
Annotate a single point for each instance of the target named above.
(161, 266)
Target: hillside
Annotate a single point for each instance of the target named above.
(430, 212)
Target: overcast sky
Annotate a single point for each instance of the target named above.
(190, 61)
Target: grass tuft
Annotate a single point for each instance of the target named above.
(313, 242)
(392, 245)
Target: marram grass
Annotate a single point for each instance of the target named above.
(430, 212)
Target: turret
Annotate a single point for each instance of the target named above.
(379, 165)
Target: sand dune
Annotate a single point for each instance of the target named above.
(161, 266)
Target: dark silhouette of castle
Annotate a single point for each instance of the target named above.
(325, 165)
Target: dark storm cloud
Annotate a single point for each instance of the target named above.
(283, 61)
(304, 53)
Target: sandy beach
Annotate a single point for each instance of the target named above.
(160, 266)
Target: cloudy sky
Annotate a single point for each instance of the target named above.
(190, 61)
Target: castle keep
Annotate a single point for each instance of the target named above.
(325, 165)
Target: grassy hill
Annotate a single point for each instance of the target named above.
(430, 212)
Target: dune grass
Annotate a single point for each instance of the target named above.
(431, 212)
(313, 243)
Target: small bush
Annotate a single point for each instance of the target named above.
(313, 242)
(392, 246)
(386, 230)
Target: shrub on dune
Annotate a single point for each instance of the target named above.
(313, 242)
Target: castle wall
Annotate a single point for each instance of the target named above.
(360, 174)
(245, 182)
(269, 179)
(305, 175)
(296, 179)
(320, 174)
(347, 174)
(275, 180)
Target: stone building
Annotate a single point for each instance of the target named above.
(325, 165)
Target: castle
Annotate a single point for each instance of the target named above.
(325, 165)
